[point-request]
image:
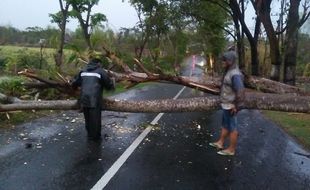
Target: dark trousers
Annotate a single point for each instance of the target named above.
(93, 122)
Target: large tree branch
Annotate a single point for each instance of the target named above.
(116, 60)
(205, 84)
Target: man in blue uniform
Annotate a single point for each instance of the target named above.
(232, 96)
(92, 80)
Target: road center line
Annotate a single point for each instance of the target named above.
(104, 180)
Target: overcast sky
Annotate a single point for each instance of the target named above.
(28, 13)
(24, 13)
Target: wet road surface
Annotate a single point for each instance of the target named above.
(53, 152)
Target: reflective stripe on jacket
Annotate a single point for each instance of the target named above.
(92, 80)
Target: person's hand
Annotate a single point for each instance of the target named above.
(233, 111)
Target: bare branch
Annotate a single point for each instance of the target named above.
(116, 60)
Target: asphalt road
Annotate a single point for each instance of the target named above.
(53, 153)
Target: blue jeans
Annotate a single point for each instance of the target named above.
(229, 121)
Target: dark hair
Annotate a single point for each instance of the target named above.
(95, 60)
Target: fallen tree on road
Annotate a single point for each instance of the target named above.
(298, 100)
(263, 101)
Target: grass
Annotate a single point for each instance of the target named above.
(14, 118)
(295, 124)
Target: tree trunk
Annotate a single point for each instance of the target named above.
(254, 52)
(252, 40)
(291, 43)
(84, 24)
(263, 9)
(263, 101)
(62, 27)
(236, 15)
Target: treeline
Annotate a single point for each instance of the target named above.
(29, 37)
(171, 29)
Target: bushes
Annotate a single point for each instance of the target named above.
(25, 60)
(307, 70)
(12, 86)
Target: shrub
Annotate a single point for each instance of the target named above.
(307, 70)
(12, 86)
(25, 60)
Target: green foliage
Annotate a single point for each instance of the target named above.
(30, 37)
(56, 18)
(307, 70)
(100, 37)
(24, 59)
(97, 18)
(166, 65)
(12, 86)
(82, 8)
(3, 62)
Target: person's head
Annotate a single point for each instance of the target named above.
(229, 59)
(95, 61)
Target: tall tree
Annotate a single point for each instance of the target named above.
(87, 23)
(177, 37)
(291, 43)
(263, 10)
(291, 39)
(238, 16)
(61, 19)
(151, 25)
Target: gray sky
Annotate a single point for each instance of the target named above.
(24, 13)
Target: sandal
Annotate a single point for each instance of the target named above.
(225, 153)
(215, 145)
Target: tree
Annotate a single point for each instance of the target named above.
(81, 7)
(291, 39)
(61, 19)
(238, 17)
(263, 11)
(151, 23)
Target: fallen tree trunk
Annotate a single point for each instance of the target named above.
(262, 101)
(270, 86)
(8, 99)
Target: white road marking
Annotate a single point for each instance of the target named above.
(104, 180)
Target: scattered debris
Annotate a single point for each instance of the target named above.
(198, 127)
